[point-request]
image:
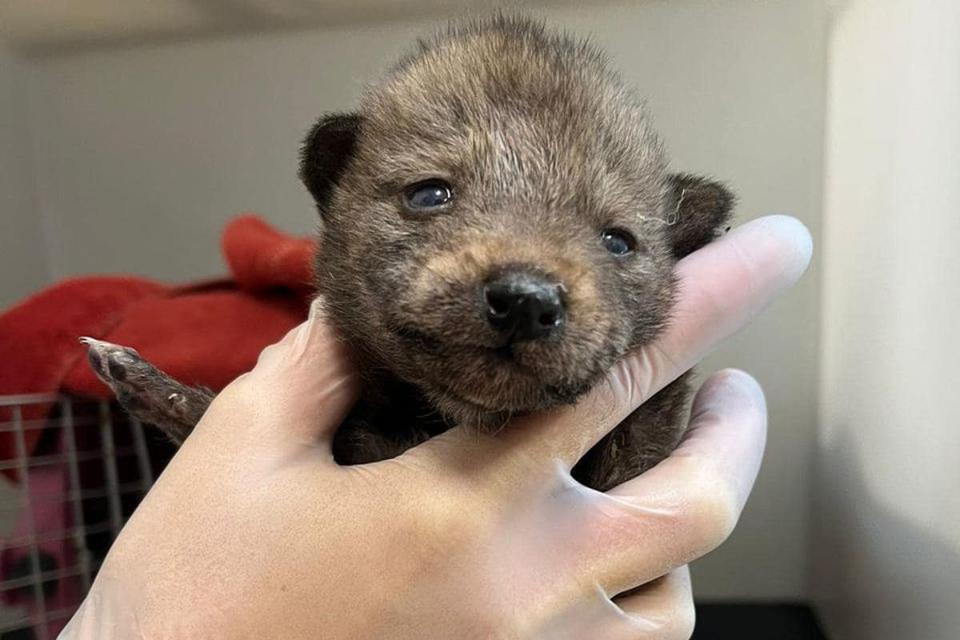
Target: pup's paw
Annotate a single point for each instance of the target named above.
(147, 393)
(113, 364)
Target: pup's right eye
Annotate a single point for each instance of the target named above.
(618, 242)
(426, 195)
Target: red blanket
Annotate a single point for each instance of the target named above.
(206, 334)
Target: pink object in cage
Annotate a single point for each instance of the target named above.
(39, 554)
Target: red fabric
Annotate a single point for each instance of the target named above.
(262, 258)
(205, 334)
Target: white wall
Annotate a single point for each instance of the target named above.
(887, 543)
(23, 265)
(144, 153)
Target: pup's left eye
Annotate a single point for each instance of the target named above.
(428, 194)
(618, 242)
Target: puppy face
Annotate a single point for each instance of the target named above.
(496, 220)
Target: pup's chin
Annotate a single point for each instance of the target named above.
(463, 412)
(487, 403)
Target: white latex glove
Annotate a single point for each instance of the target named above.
(253, 531)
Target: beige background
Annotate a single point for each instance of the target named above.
(23, 260)
(886, 548)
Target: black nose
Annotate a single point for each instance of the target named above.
(523, 305)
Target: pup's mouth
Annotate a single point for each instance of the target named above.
(432, 344)
(504, 353)
(529, 388)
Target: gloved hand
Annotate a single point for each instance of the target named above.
(253, 531)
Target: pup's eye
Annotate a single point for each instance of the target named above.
(618, 242)
(428, 194)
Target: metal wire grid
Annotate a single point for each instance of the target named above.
(108, 466)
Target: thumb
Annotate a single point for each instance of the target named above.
(303, 386)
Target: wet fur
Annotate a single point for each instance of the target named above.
(545, 148)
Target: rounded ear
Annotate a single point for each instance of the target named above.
(325, 153)
(697, 210)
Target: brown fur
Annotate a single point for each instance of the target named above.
(545, 149)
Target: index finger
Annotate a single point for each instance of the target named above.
(721, 288)
(303, 386)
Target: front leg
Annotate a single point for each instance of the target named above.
(647, 436)
(147, 393)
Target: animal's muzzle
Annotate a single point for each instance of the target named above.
(523, 304)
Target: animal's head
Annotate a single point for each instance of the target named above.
(499, 226)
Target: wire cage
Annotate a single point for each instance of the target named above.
(79, 468)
